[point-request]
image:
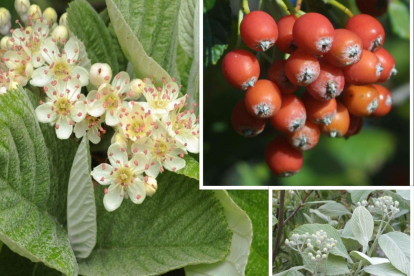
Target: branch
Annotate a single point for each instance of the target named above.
(297, 208)
(339, 6)
(279, 225)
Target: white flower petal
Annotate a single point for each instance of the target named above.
(37, 59)
(64, 129)
(93, 136)
(117, 154)
(121, 82)
(80, 73)
(80, 129)
(78, 111)
(136, 191)
(45, 114)
(102, 174)
(113, 198)
(153, 169)
(70, 47)
(138, 163)
(111, 120)
(49, 50)
(96, 108)
(174, 163)
(192, 144)
(39, 78)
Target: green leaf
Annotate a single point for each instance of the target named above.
(179, 225)
(334, 209)
(366, 260)
(359, 195)
(144, 65)
(216, 29)
(404, 194)
(33, 184)
(335, 266)
(362, 226)
(255, 203)
(155, 25)
(338, 250)
(399, 15)
(396, 246)
(191, 169)
(383, 270)
(290, 270)
(89, 27)
(81, 203)
(235, 262)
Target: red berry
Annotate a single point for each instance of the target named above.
(241, 69)
(263, 100)
(385, 101)
(313, 33)
(301, 68)
(306, 138)
(372, 7)
(355, 125)
(366, 71)
(282, 159)
(244, 123)
(258, 30)
(340, 122)
(285, 41)
(387, 64)
(329, 83)
(368, 29)
(291, 116)
(346, 49)
(360, 100)
(319, 112)
(277, 74)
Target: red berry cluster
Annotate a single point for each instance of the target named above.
(336, 66)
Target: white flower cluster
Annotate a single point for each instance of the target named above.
(150, 135)
(387, 207)
(363, 203)
(318, 245)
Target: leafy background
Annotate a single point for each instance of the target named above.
(48, 229)
(378, 155)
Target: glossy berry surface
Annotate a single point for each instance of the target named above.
(313, 33)
(366, 71)
(301, 68)
(263, 100)
(387, 64)
(285, 41)
(306, 138)
(329, 83)
(241, 69)
(340, 123)
(346, 49)
(259, 30)
(361, 100)
(291, 116)
(319, 112)
(282, 159)
(244, 123)
(368, 29)
(277, 74)
(385, 101)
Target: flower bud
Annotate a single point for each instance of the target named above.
(313, 259)
(34, 12)
(119, 138)
(100, 73)
(310, 254)
(22, 6)
(318, 256)
(396, 203)
(287, 242)
(136, 87)
(50, 15)
(5, 21)
(61, 34)
(324, 256)
(63, 19)
(3, 43)
(150, 185)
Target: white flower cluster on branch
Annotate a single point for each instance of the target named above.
(154, 127)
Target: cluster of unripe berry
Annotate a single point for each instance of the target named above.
(337, 67)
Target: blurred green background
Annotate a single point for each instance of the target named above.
(378, 155)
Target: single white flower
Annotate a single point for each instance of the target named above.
(162, 151)
(135, 123)
(7, 82)
(64, 105)
(61, 66)
(184, 128)
(161, 100)
(124, 177)
(91, 127)
(19, 65)
(108, 99)
(30, 40)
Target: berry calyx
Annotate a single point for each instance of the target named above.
(319, 112)
(387, 64)
(241, 69)
(302, 68)
(385, 101)
(291, 116)
(244, 123)
(346, 49)
(368, 29)
(263, 100)
(306, 138)
(339, 124)
(366, 71)
(258, 30)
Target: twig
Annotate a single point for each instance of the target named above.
(279, 225)
(290, 7)
(298, 5)
(339, 6)
(297, 208)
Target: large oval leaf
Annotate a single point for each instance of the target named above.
(362, 226)
(385, 269)
(180, 225)
(396, 246)
(33, 184)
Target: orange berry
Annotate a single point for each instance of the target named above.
(340, 123)
(282, 159)
(361, 100)
(263, 100)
